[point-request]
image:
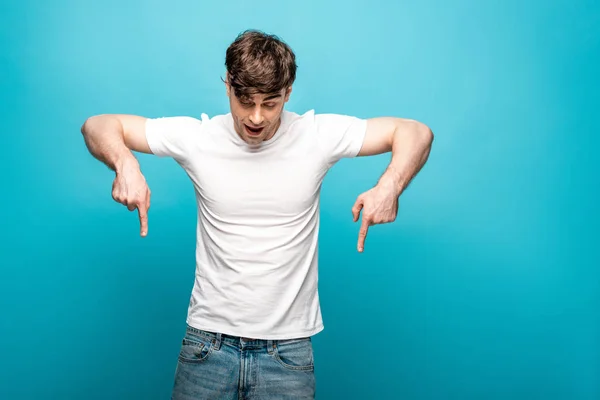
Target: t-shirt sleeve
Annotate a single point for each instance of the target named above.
(172, 136)
(341, 136)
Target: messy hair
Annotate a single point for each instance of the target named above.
(259, 63)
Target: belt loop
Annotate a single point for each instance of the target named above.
(217, 342)
(270, 346)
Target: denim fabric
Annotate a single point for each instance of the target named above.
(216, 366)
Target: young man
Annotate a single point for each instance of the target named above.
(257, 173)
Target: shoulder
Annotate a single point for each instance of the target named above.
(339, 126)
(323, 123)
(331, 119)
(174, 123)
(291, 118)
(189, 123)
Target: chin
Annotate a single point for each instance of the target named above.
(253, 140)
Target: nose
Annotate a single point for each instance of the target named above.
(256, 116)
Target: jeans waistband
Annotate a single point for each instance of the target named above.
(240, 341)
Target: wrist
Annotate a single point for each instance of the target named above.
(125, 162)
(393, 180)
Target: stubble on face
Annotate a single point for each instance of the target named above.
(257, 117)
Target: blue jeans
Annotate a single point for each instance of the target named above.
(216, 366)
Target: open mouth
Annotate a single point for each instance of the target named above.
(253, 131)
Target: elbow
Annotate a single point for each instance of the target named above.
(84, 127)
(420, 132)
(426, 134)
(87, 124)
(430, 136)
(92, 123)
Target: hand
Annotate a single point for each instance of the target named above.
(379, 206)
(130, 189)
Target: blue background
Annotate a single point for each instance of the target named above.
(486, 287)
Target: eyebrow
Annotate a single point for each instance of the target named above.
(271, 97)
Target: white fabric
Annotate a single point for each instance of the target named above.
(258, 218)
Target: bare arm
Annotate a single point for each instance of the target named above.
(410, 143)
(111, 138)
(408, 140)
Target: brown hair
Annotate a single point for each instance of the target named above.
(259, 63)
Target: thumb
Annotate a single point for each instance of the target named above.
(358, 205)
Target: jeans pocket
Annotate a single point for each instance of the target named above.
(296, 355)
(195, 350)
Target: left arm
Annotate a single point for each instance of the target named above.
(410, 144)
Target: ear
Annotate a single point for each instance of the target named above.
(288, 91)
(227, 86)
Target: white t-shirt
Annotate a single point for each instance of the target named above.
(258, 217)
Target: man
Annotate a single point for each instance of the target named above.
(257, 173)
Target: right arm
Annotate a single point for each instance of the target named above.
(111, 138)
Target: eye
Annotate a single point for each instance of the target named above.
(270, 105)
